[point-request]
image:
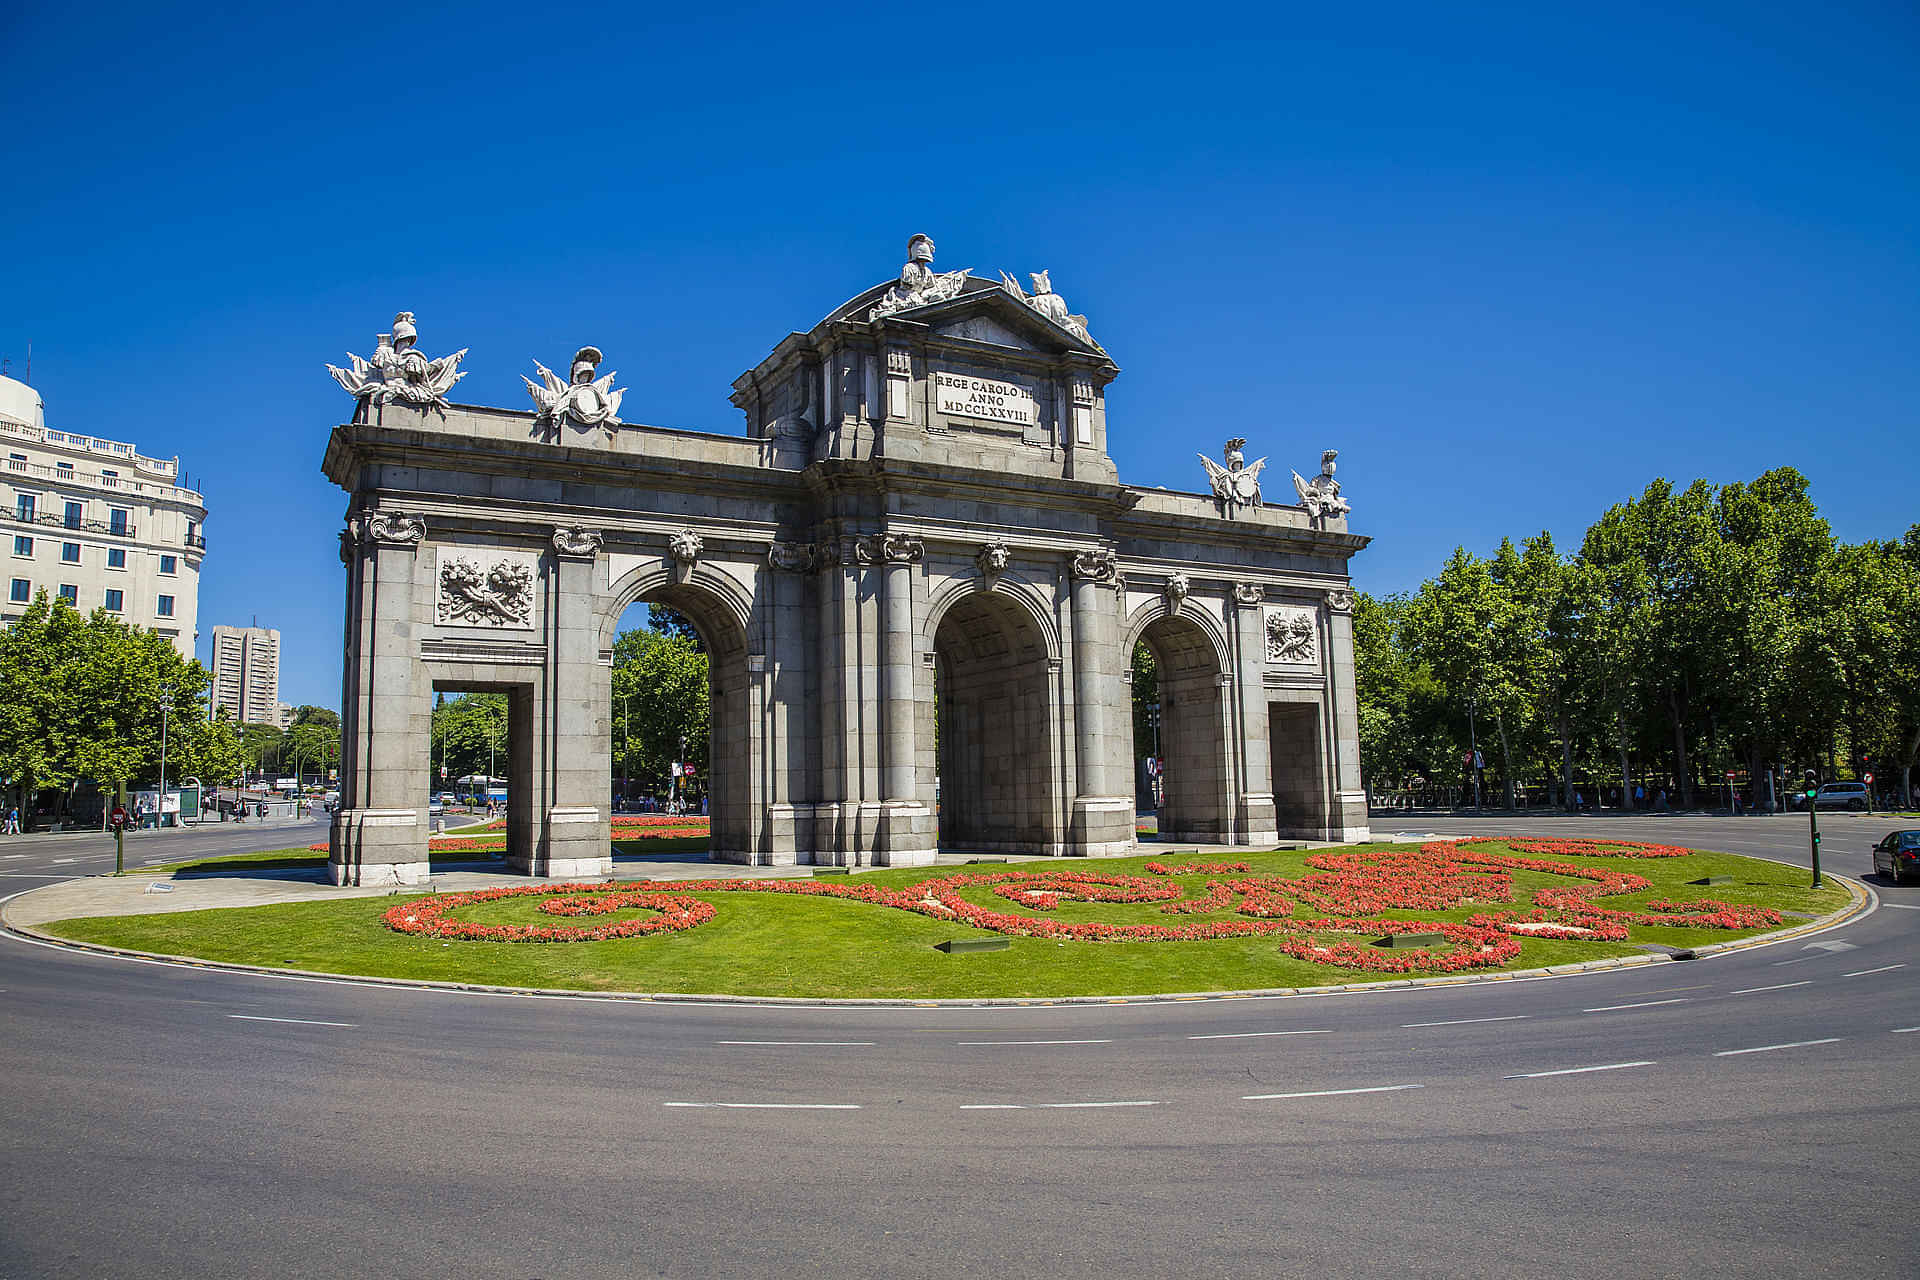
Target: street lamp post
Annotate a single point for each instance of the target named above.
(626, 748)
(1473, 743)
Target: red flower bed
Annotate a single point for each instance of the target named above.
(1346, 888)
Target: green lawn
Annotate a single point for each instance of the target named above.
(763, 944)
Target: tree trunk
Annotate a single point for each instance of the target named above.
(1906, 770)
(1626, 765)
(1566, 763)
(1754, 796)
(1682, 772)
(1506, 759)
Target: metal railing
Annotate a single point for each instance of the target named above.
(51, 521)
(117, 484)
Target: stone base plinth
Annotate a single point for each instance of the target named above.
(377, 846)
(1101, 827)
(566, 868)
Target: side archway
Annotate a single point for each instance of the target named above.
(719, 611)
(1197, 780)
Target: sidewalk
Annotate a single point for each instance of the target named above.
(148, 833)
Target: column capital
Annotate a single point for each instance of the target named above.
(1339, 599)
(887, 548)
(391, 528)
(1248, 593)
(577, 542)
(1100, 564)
(792, 557)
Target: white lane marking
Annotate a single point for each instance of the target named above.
(1644, 1004)
(1463, 1022)
(60, 862)
(1327, 1093)
(1800, 960)
(304, 1022)
(805, 1044)
(769, 1106)
(1255, 1035)
(1902, 906)
(1885, 968)
(1902, 1031)
(11, 856)
(1747, 991)
(1769, 1048)
(993, 1106)
(1074, 1106)
(1575, 1071)
(975, 1044)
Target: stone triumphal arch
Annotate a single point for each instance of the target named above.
(921, 514)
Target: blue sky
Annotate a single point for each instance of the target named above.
(1513, 262)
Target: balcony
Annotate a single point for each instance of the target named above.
(198, 541)
(51, 521)
(109, 484)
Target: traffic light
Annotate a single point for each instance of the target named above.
(1813, 784)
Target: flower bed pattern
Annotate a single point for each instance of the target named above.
(1340, 898)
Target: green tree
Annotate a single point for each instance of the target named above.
(469, 736)
(661, 693)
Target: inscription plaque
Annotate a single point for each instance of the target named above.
(963, 395)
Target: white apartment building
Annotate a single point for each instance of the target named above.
(98, 522)
(246, 673)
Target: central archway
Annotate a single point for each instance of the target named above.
(993, 689)
(1196, 780)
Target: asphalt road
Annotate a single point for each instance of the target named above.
(40, 859)
(1745, 1114)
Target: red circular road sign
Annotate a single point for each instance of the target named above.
(1866, 777)
(1729, 775)
(688, 771)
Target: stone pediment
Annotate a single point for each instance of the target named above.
(983, 311)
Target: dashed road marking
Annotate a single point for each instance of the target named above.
(1903, 1031)
(1769, 1048)
(1463, 1022)
(1254, 1035)
(768, 1106)
(1053, 1106)
(1747, 991)
(1576, 1071)
(1885, 968)
(975, 1044)
(61, 862)
(304, 1022)
(1644, 1004)
(803, 1044)
(1328, 1093)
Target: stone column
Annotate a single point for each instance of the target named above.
(1102, 822)
(576, 838)
(1254, 821)
(789, 824)
(907, 824)
(1348, 821)
(379, 832)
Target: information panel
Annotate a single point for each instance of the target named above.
(966, 396)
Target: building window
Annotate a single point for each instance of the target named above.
(22, 546)
(70, 593)
(116, 557)
(168, 564)
(117, 520)
(192, 528)
(76, 512)
(23, 506)
(164, 606)
(66, 468)
(113, 600)
(69, 553)
(21, 592)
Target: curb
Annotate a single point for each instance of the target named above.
(1861, 899)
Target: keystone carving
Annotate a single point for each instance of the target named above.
(578, 541)
(684, 546)
(1177, 588)
(992, 559)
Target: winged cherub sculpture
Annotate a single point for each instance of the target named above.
(398, 371)
(584, 400)
(1236, 484)
(1321, 495)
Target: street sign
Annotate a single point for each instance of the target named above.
(1729, 775)
(1867, 778)
(687, 770)
(119, 816)
(1479, 761)
(1466, 758)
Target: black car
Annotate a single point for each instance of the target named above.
(1898, 856)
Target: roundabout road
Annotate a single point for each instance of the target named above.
(1743, 1114)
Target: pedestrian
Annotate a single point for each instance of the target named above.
(13, 820)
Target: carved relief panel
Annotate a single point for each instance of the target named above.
(1293, 636)
(483, 588)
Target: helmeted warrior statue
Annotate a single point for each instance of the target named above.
(399, 372)
(1236, 484)
(583, 400)
(919, 283)
(1321, 495)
